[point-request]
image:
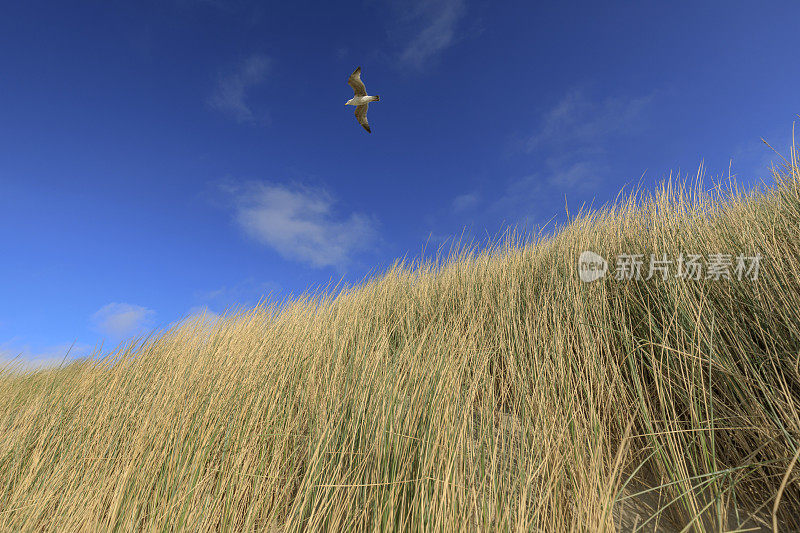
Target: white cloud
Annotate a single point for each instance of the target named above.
(433, 26)
(199, 315)
(203, 312)
(299, 223)
(24, 357)
(118, 320)
(230, 95)
(465, 201)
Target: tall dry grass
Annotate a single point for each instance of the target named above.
(489, 390)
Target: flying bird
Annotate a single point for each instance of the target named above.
(361, 100)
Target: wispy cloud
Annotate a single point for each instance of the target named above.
(245, 292)
(231, 93)
(119, 320)
(430, 27)
(570, 152)
(580, 123)
(572, 138)
(519, 199)
(204, 312)
(300, 224)
(574, 172)
(466, 201)
(25, 357)
(754, 160)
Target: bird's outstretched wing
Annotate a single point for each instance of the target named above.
(361, 115)
(355, 82)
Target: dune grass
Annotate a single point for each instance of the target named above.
(488, 390)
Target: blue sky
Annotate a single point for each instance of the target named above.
(157, 158)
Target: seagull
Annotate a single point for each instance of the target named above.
(360, 100)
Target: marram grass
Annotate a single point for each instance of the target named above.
(488, 390)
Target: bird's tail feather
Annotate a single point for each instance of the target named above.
(376, 98)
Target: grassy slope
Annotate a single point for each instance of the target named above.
(492, 390)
